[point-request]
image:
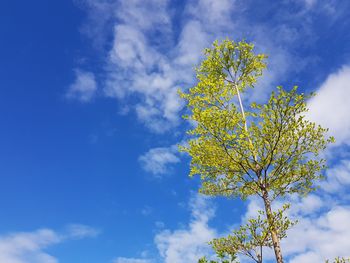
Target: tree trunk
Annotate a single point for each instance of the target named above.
(273, 231)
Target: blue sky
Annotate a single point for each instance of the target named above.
(91, 120)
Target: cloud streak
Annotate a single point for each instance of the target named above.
(155, 49)
(158, 161)
(188, 244)
(84, 87)
(29, 247)
(330, 107)
(131, 260)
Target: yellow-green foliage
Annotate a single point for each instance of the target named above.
(268, 150)
(250, 238)
(339, 260)
(272, 148)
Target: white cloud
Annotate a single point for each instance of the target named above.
(333, 9)
(131, 260)
(84, 87)
(188, 244)
(144, 16)
(219, 15)
(307, 205)
(158, 160)
(131, 49)
(29, 247)
(192, 41)
(136, 67)
(331, 107)
(98, 21)
(77, 231)
(155, 49)
(322, 237)
(306, 258)
(337, 177)
(310, 3)
(153, 68)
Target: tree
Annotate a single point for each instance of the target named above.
(339, 260)
(269, 150)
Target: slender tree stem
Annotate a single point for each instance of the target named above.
(241, 106)
(273, 231)
(245, 121)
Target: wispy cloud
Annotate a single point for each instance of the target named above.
(315, 239)
(153, 47)
(331, 107)
(29, 247)
(138, 64)
(84, 87)
(154, 54)
(190, 243)
(131, 260)
(338, 177)
(146, 210)
(77, 231)
(158, 161)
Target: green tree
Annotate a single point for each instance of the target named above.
(268, 150)
(339, 260)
